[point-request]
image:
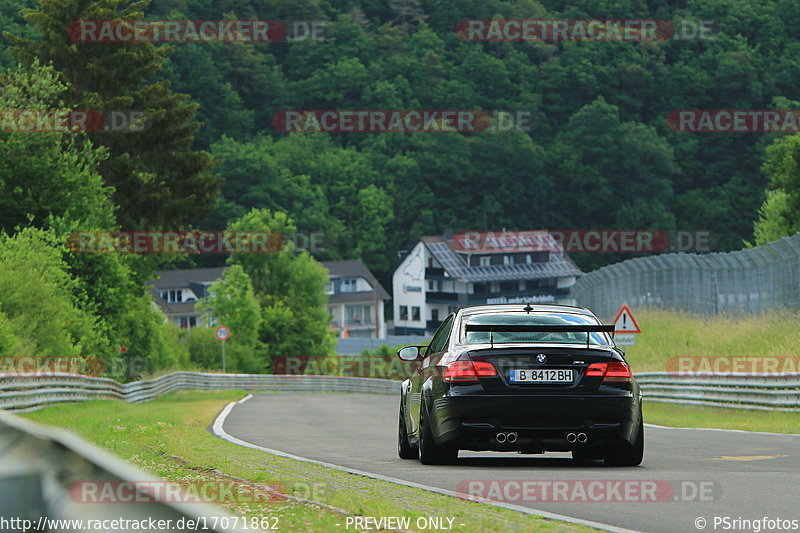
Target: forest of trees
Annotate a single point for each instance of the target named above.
(601, 154)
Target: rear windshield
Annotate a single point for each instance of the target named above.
(534, 319)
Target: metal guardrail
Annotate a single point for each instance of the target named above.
(774, 392)
(39, 465)
(26, 392)
(40, 468)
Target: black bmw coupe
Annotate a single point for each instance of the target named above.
(521, 378)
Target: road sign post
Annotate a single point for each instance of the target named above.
(626, 327)
(222, 334)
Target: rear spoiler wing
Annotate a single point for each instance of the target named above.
(492, 328)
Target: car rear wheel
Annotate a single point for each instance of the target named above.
(404, 449)
(429, 452)
(625, 454)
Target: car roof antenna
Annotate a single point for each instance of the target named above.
(527, 308)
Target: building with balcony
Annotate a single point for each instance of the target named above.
(177, 291)
(440, 275)
(355, 300)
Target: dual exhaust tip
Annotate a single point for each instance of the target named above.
(572, 438)
(580, 438)
(510, 438)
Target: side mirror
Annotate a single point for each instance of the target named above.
(411, 353)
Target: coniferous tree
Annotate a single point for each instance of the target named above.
(159, 180)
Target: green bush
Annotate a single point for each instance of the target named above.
(40, 313)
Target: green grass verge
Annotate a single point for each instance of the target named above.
(676, 415)
(668, 334)
(150, 435)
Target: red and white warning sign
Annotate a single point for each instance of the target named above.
(624, 321)
(222, 333)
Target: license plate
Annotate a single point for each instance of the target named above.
(541, 376)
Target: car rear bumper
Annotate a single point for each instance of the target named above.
(541, 423)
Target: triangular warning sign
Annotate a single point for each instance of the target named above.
(624, 322)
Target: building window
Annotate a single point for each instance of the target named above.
(329, 287)
(173, 296)
(358, 314)
(348, 285)
(434, 315)
(479, 288)
(415, 314)
(485, 261)
(508, 260)
(494, 286)
(528, 259)
(431, 286)
(521, 286)
(403, 312)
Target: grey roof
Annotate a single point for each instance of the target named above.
(560, 266)
(173, 279)
(353, 268)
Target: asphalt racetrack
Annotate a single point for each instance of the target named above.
(711, 472)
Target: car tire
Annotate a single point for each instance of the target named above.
(592, 454)
(625, 454)
(404, 449)
(429, 452)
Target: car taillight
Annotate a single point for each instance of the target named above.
(613, 371)
(617, 371)
(596, 369)
(468, 371)
(484, 369)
